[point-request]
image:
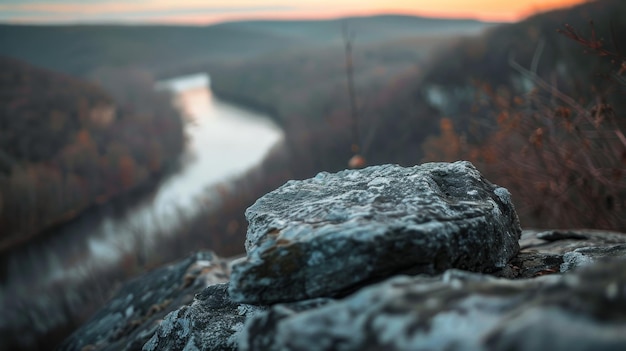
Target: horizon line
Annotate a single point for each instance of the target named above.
(179, 23)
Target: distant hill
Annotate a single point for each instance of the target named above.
(79, 49)
(452, 77)
(367, 29)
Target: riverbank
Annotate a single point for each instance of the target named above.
(119, 202)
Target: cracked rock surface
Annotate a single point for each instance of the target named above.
(458, 310)
(330, 234)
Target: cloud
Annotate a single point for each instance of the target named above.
(115, 10)
(207, 11)
(146, 7)
(115, 7)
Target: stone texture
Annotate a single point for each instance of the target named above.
(556, 251)
(132, 316)
(211, 322)
(584, 310)
(328, 235)
(259, 334)
(587, 255)
(458, 309)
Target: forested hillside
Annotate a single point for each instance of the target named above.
(512, 57)
(540, 107)
(66, 144)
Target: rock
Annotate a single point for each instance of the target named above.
(371, 260)
(212, 322)
(331, 234)
(554, 251)
(132, 316)
(447, 306)
(563, 241)
(587, 255)
(459, 310)
(259, 334)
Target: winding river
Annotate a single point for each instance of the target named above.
(222, 141)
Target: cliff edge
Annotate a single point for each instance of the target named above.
(383, 258)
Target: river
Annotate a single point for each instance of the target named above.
(223, 141)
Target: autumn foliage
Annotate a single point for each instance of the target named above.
(66, 144)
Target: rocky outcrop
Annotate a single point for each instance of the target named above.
(563, 290)
(554, 251)
(133, 315)
(459, 310)
(328, 235)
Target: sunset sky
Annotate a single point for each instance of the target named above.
(211, 11)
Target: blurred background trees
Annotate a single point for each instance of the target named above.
(66, 145)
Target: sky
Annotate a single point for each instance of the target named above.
(199, 12)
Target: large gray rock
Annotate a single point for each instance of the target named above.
(458, 310)
(327, 235)
(132, 316)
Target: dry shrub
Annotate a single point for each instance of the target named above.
(563, 159)
(564, 163)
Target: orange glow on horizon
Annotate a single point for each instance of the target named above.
(489, 10)
(498, 12)
(200, 12)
